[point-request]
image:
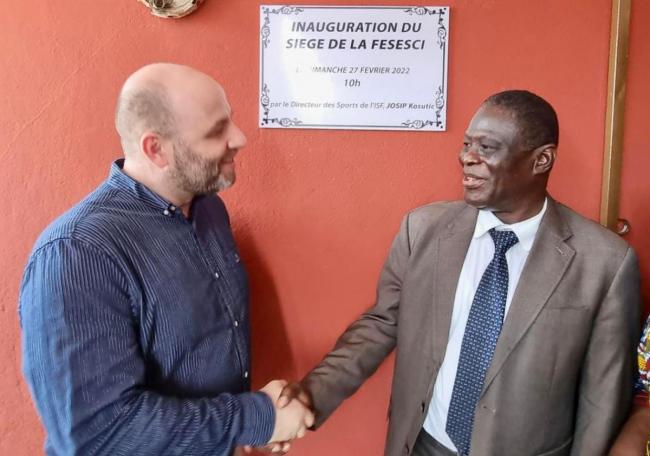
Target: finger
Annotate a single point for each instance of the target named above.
(283, 401)
(301, 432)
(281, 448)
(287, 394)
(272, 448)
(268, 448)
(286, 446)
(309, 419)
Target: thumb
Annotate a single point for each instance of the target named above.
(287, 394)
(284, 398)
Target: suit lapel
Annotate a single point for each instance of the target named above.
(547, 262)
(452, 249)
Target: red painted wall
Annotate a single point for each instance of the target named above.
(313, 211)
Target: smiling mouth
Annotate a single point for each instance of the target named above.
(471, 182)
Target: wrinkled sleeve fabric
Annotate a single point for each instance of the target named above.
(86, 371)
(365, 343)
(608, 372)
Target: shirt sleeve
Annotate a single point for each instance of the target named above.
(365, 344)
(86, 371)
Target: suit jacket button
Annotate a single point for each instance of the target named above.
(406, 449)
(424, 406)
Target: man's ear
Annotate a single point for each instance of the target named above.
(153, 147)
(544, 158)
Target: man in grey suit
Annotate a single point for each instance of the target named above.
(515, 318)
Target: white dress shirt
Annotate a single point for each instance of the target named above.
(479, 255)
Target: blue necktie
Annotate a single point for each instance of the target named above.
(480, 338)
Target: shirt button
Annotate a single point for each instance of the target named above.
(236, 323)
(216, 275)
(166, 212)
(246, 374)
(172, 207)
(236, 258)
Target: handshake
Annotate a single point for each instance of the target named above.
(293, 415)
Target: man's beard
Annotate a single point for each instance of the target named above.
(197, 175)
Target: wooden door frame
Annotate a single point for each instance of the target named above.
(616, 85)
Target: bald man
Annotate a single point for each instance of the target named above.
(134, 303)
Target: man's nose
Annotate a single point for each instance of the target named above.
(469, 155)
(237, 139)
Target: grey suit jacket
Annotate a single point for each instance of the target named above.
(561, 378)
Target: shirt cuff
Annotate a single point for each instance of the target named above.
(642, 399)
(258, 419)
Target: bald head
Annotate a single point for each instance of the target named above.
(148, 101)
(177, 132)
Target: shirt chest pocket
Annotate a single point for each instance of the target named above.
(234, 273)
(232, 259)
(231, 277)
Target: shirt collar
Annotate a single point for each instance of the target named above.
(525, 230)
(120, 180)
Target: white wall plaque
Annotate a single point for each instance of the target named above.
(349, 67)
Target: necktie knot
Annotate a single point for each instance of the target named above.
(503, 240)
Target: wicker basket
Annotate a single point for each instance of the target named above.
(171, 8)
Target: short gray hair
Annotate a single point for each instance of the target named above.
(143, 109)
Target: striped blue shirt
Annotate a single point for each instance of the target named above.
(135, 329)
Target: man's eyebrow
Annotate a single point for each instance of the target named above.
(481, 136)
(217, 127)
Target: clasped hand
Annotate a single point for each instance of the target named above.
(292, 415)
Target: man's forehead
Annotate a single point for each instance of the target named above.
(222, 99)
(493, 120)
(204, 95)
